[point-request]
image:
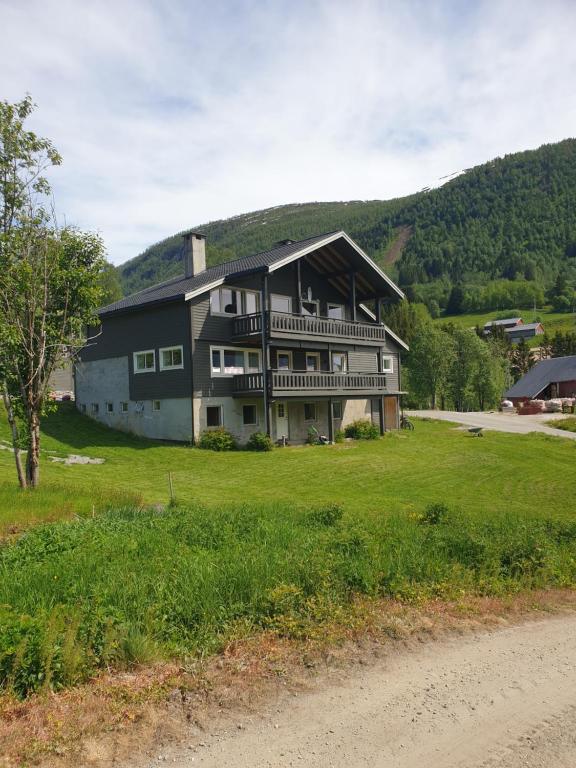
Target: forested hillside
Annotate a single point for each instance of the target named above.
(511, 218)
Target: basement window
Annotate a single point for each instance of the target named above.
(95, 408)
(124, 407)
(109, 407)
(249, 416)
(155, 405)
(214, 416)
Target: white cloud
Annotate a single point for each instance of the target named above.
(169, 114)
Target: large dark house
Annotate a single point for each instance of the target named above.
(278, 342)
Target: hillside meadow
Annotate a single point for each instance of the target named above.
(552, 321)
(280, 541)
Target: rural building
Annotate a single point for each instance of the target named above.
(509, 322)
(555, 377)
(524, 331)
(285, 340)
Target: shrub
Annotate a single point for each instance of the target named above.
(434, 514)
(217, 440)
(339, 436)
(259, 441)
(329, 515)
(362, 430)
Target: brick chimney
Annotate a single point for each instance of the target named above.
(194, 254)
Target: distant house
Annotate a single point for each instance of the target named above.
(281, 342)
(555, 377)
(509, 322)
(524, 331)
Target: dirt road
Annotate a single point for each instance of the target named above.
(501, 699)
(501, 422)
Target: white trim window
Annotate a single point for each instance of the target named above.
(279, 303)
(109, 407)
(335, 311)
(124, 407)
(340, 362)
(249, 415)
(284, 360)
(156, 405)
(312, 361)
(234, 301)
(145, 361)
(387, 364)
(230, 361)
(171, 358)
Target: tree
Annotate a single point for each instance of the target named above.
(490, 374)
(49, 284)
(521, 359)
(455, 304)
(429, 362)
(467, 349)
(110, 284)
(406, 319)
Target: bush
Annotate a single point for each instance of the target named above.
(339, 436)
(362, 430)
(259, 441)
(217, 440)
(434, 514)
(329, 515)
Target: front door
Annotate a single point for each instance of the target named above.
(282, 421)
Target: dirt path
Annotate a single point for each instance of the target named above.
(500, 699)
(501, 422)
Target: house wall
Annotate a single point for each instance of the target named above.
(107, 380)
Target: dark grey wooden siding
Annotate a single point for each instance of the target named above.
(122, 335)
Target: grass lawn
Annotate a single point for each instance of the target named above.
(568, 424)
(552, 321)
(404, 472)
(281, 540)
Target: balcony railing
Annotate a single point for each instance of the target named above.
(308, 382)
(283, 324)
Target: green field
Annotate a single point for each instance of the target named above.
(281, 541)
(552, 321)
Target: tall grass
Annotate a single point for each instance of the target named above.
(132, 585)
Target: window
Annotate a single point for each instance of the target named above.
(234, 301)
(309, 411)
(124, 407)
(337, 409)
(95, 408)
(336, 311)
(155, 405)
(231, 361)
(284, 361)
(310, 308)
(249, 416)
(280, 303)
(281, 410)
(213, 416)
(171, 358)
(339, 362)
(109, 407)
(387, 364)
(312, 361)
(144, 361)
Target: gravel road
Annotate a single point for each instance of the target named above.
(499, 699)
(501, 422)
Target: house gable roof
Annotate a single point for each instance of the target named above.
(182, 288)
(545, 372)
(505, 321)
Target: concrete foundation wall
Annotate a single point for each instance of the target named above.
(99, 382)
(232, 416)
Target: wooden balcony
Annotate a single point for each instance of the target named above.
(282, 325)
(310, 383)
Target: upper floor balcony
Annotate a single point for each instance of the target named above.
(308, 327)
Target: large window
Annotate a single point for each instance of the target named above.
(280, 303)
(171, 358)
(234, 301)
(309, 411)
(284, 360)
(144, 362)
(214, 416)
(339, 362)
(249, 415)
(228, 361)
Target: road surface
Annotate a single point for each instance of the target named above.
(501, 422)
(499, 699)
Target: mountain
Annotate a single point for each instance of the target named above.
(513, 217)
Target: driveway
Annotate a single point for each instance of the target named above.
(501, 422)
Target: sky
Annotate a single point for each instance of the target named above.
(173, 113)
